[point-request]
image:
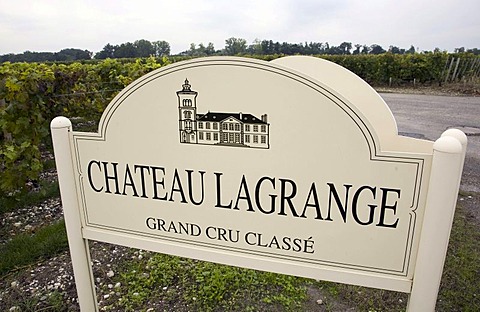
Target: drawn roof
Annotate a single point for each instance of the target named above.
(218, 117)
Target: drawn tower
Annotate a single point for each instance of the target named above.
(187, 110)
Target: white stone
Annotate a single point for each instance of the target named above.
(319, 301)
(110, 273)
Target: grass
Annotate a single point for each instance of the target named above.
(25, 249)
(204, 286)
(23, 199)
(460, 287)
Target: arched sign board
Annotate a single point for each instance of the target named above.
(292, 166)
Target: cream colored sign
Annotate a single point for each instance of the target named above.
(292, 166)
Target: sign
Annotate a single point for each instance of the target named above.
(292, 166)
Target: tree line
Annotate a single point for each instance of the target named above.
(233, 46)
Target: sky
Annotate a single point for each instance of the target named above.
(52, 25)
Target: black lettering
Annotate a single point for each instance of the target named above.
(384, 206)
(316, 204)
(113, 177)
(341, 207)
(219, 192)
(128, 181)
(232, 239)
(297, 244)
(272, 196)
(90, 180)
(284, 198)
(179, 189)
(161, 225)
(149, 223)
(190, 187)
(157, 182)
(171, 227)
(286, 243)
(373, 190)
(274, 241)
(246, 238)
(142, 177)
(308, 245)
(207, 232)
(244, 187)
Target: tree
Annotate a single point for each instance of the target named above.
(125, 50)
(376, 49)
(396, 50)
(144, 48)
(72, 55)
(210, 49)
(234, 46)
(162, 48)
(411, 50)
(365, 49)
(474, 51)
(255, 47)
(345, 47)
(107, 52)
(357, 49)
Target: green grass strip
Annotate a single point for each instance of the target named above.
(47, 190)
(26, 249)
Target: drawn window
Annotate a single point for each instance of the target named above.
(255, 139)
(215, 126)
(255, 128)
(225, 126)
(207, 125)
(225, 137)
(264, 128)
(188, 125)
(215, 136)
(187, 114)
(209, 136)
(247, 138)
(187, 102)
(263, 139)
(237, 137)
(230, 126)
(237, 127)
(247, 127)
(200, 125)
(200, 135)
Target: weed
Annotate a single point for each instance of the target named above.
(25, 249)
(205, 286)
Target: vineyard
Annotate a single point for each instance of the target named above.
(32, 94)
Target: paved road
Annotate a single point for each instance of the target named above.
(427, 116)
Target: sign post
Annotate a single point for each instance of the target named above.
(293, 166)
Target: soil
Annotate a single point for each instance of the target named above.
(37, 286)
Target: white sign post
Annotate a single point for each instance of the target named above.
(293, 166)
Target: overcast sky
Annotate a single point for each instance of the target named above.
(52, 25)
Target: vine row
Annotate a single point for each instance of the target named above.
(32, 94)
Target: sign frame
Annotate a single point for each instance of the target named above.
(445, 160)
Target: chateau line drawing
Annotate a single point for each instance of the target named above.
(219, 128)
